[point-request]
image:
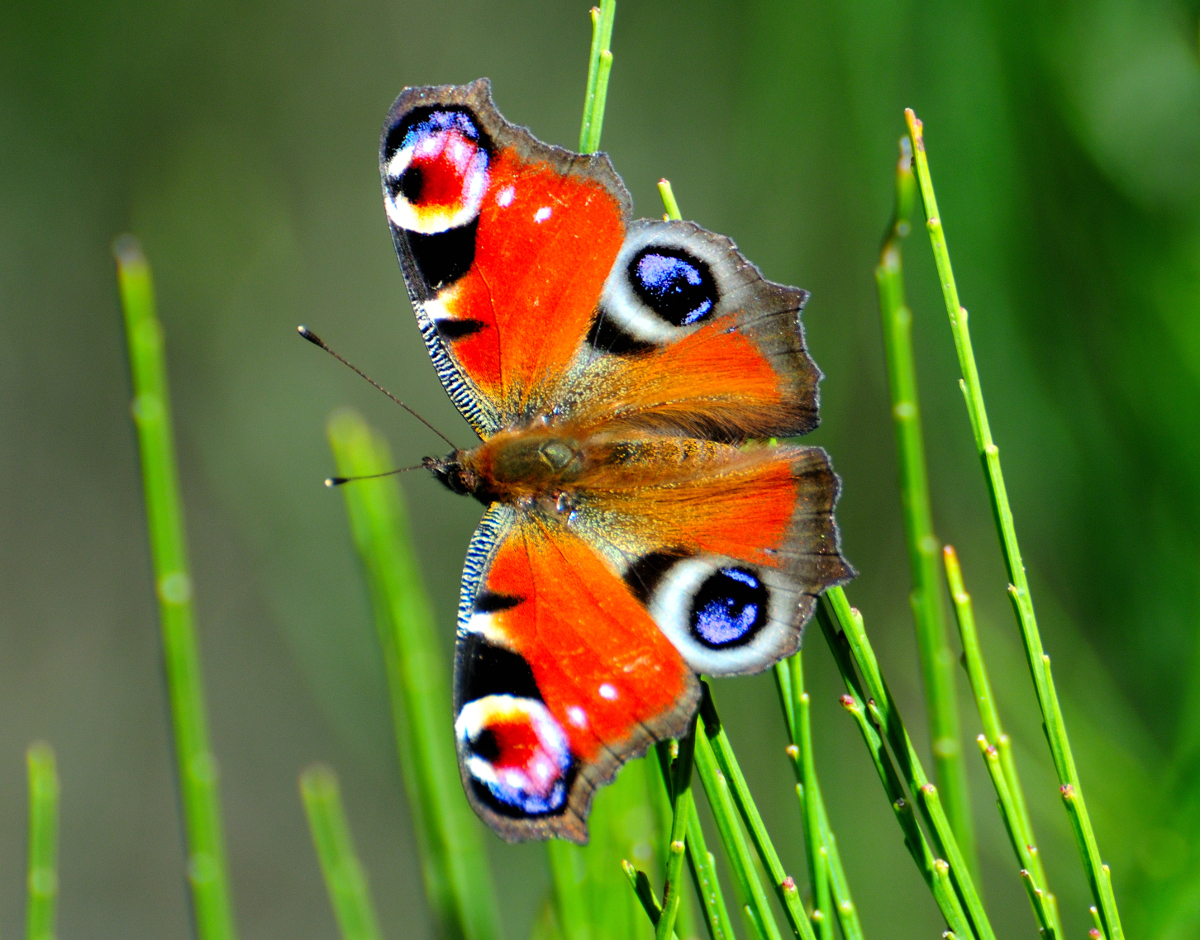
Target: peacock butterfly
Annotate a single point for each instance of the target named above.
(624, 378)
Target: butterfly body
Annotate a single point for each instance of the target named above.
(623, 377)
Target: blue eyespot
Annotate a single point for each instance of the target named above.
(674, 284)
(729, 608)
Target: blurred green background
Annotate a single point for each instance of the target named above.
(238, 141)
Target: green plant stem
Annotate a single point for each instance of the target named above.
(1042, 902)
(42, 882)
(700, 861)
(781, 882)
(642, 889)
(819, 840)
(997, 753)
(855, 703)
(196, 765)
(928, 607)
(599, 66)
(882, 708)
(458, 879)
(667, 195)
(800, 733)
(344, 876)
(751, 895)
(1022, 600)
(570, 903)
(681, 791)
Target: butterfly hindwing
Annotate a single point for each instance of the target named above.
(728, 553)
(560, 677)
(693, 339)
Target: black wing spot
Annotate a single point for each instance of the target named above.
(644, 575)
(608, 336)
(453, 329)
(492, 670)
(412, 183)
(488, 602)
(443, 257)
(485, 745)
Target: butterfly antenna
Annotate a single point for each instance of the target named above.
(338, 481)
(317, 341)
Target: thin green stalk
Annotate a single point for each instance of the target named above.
(989, 453)
(882, 707)
(820, 842)
(781, 881)
(43, 843)
(458, 881)
(642, 889)
(997, 751)
(667, 194)
(1043, 902)
(703, 868)
(599, 66)
(681, 792)
(928, 607)
(700, 861)
(344, 876)
(855, 703)
(197, 768)
(796, 712)
(570, 902)
(751, 894)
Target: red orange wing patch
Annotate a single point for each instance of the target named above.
(505, 244)
(562, 677)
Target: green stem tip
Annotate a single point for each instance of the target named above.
(42, 882)
(196, 765)
(344, 876)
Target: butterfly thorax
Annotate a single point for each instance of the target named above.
(543, 462)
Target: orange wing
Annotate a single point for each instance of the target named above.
(691, 339)
(505, 243)
(561, 676)
(728, 553)
(537, 297)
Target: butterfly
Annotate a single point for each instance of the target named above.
(624, 378)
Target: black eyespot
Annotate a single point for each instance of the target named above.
(412, 183)
(486, 669)
(608, 336)
(676, 285)
(485, 745)
(729, 609)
